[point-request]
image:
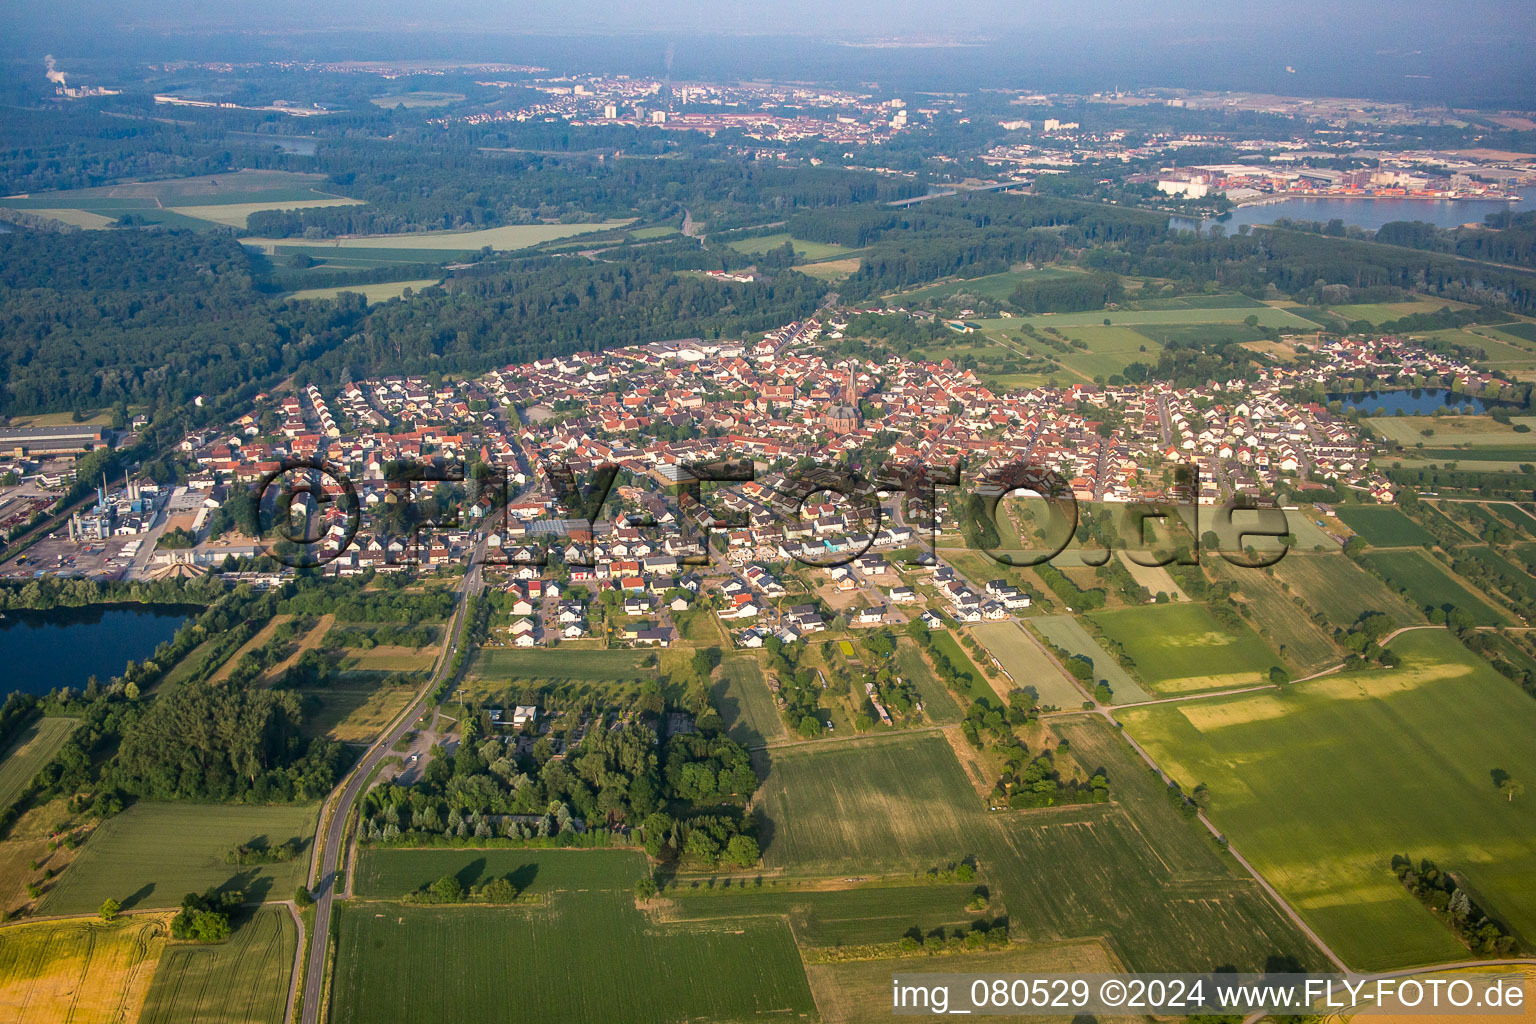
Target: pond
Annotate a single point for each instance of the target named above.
(1365, 213)
(1414, 401)
(66, 646)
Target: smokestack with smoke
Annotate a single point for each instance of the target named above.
(54, 74)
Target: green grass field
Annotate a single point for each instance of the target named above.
(1281, 623)
(202, 203)
(1110, 349)
(993, 286)
(1268, 317)
(1340, 590)
(511, 236)
(1403, 757)
(242, 981)
(584, 956)
(938, 703)
(389, 874)
(372, 292)
(32, 749)
(1181, 648)
(837, 917)
(742, 697)
(863, 807)
(1385, 527)
(153, 854)
(545, 663)
(1427, 584)
(1067, 633)
(1027, 662)
(804, 250)
(417, 100)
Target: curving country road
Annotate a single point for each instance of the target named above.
(330, 834)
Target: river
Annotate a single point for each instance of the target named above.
(66, 646)
(1365, 213)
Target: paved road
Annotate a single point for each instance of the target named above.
(330, 839)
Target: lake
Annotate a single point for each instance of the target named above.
(66, 646)
(1366, 213)
(1413, 401)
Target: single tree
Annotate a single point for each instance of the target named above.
(109, 909)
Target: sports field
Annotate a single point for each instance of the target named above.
(33, 748)
(1414, 746)
(78, 972)
(582, 957)
(242, 981)
(1428, 585)
(153, 854)
(1067, 633)
(1028, 663)
(742, 697)
(1385, 527)
(1181, 648)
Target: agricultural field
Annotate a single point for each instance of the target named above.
(1181, 648)
(552, 664)
(381, 292)
(938, 704)
(1138, 873)
(584, 956)
(993, 286)
(859, 992)
(830, 270)
(819, 917)
(352, 712)
(441, 243)
(27, 754)
(804, 250)
(388, 874)
(1385, 527)
(1028, 663)
(78, 972)
(1285, 626)
(1472, 431)
(1428, 585)
(1382, 312)
(1067, 633)
(153, 854)
(742, 697)
(1284, 769)
(202, 203)
(1340, 590)
(1268, 316)
(417, 100)
(242, 981)
(871, 806)
(1110, 349)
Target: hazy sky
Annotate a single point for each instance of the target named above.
(1425, 19)
(1466, 51)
